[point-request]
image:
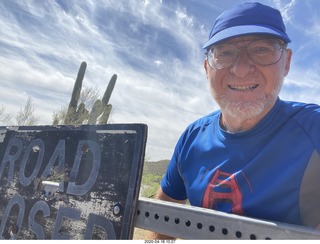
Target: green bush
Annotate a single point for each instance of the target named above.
(150, 184)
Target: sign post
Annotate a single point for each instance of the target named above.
(70, 182)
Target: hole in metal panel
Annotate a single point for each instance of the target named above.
(253, 237)
(188, 223)
(225, 231)
(211, 228)
(199, 226)
(238, 234)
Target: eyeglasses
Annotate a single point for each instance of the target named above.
(261, 52)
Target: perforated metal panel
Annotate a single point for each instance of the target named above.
(187, 222)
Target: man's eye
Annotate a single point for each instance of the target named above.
(224, 53)
(227, 53)
(262, 50)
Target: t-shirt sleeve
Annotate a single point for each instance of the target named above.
(172, 183)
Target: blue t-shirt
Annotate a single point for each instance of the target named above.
(269, 172)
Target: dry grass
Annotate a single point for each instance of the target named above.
(140, 234)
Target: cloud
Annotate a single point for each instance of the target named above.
(144, 44)
(302, 83)
(153, 46)
(286, 8)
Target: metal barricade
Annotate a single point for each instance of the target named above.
(188, 222)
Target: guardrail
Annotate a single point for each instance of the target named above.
(188, 222)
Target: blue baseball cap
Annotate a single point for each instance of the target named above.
(248, 19)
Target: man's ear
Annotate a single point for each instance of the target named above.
(205, 65)
(287, 61)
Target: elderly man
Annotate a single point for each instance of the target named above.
(258, 156)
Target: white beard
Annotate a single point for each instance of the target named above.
(246, 110)
(243, 110)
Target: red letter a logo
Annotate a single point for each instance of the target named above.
(223, 188)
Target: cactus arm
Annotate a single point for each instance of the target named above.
(95, 112)
(75, 94)
(106, 107)
(107, 94)
(105, 115)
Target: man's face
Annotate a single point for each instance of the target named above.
(246, 90)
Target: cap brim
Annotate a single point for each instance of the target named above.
(245, 30)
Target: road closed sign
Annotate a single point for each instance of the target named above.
(70, 182)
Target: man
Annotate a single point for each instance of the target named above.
(258, 156)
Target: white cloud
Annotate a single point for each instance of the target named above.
(286, 9)
(184, 17)
(154, 47)
(158, 62)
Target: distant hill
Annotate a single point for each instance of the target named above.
(155, 168)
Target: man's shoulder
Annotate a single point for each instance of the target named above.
(293, 108)
(205, 120)
(306, 115)
(209, 117)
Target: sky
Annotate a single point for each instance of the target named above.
(153, 46)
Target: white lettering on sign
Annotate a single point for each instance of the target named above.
(15, 152)
(15, 145)
(63, 212)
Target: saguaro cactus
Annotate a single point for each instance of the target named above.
(102, 106)
(105, 101)
(76, 115)
(72, 108)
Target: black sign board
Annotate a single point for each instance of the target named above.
(70, 182)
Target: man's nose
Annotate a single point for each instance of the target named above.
(242, 65)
